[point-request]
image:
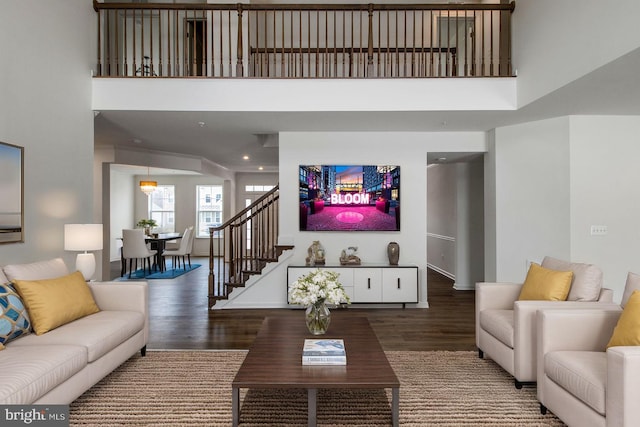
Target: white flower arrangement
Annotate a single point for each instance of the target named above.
(318, 286)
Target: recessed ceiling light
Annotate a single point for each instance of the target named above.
(201, 124)
(260, 168)
(245, 157)
(441, 159)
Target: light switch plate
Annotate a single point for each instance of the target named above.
(598, 230)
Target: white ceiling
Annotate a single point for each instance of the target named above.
(226, 136)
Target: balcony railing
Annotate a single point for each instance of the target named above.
(303, 40)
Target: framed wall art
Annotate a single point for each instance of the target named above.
(11, 193)
(349, 197)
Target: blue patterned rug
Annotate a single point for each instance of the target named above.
(169, 273)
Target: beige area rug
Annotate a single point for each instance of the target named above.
(193, 388)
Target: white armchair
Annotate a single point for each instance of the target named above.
(506, 328)
(580, 382)
(579, 379)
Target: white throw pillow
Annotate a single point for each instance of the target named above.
(37, 270)
(587, 278)
(633, 284)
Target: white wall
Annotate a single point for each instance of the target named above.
(407, 149)
(482, 94)
(554, 180)
(121, 197)
(45, 87)
(490, 206)
(605, 183)
(441, 218)
(476, 223)
(249, 178)
(469, 224)
(548, 56)
(531, 196)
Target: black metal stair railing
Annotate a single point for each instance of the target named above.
(303, 40)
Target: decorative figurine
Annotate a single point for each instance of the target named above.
(348, 256)
(315, 254)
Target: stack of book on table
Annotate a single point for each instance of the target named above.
(324, 352)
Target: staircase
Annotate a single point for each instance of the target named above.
(243, 245)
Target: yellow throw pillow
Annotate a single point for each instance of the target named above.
(55, 302)
(544, 284)
(627, 331)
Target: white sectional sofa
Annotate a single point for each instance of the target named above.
(58, 366)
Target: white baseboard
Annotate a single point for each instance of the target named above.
(464, 286)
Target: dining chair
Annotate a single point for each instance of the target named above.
(192, 236)
(134, 247)
(182, 251)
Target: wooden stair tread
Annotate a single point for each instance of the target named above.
(234, 284)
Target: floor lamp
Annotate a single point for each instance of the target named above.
(84, 237)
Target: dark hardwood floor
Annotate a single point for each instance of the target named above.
(179, 318)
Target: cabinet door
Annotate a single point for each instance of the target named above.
(367, 285)
(400, 285)
(346, 280)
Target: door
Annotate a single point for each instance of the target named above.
(253, 192)
(456, 34)
(197, 47)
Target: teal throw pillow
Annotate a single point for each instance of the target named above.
(14, 320)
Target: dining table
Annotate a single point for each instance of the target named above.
(157, 242)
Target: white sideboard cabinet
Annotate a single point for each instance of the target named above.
(369, 283)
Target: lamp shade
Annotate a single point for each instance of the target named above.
(148, 187)
(82, 237)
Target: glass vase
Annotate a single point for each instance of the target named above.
(318, 318)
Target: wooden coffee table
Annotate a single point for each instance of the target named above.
(275, 361)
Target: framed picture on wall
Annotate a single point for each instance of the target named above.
(11, 193)
(349, 197)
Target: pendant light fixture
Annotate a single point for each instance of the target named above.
(148, 186)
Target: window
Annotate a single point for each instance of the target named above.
(162, 208)
(253, 193)
(209, 208)
(258, 188)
